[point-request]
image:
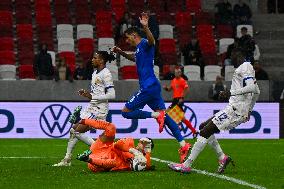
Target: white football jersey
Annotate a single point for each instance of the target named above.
(101, 81)
(242, 102)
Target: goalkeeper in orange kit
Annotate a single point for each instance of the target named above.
(107, 155)
(180, 87)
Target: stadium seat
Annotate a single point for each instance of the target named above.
(24, 17)
(129, 72)
(65, 44)
(6, 43)
(118, 7)
(43, 20)
(113, 70)
(192, 72)
(211, 72)
(104, 44)
(25, 31)
(86, 47)
(47, 38)
(7, 72)
(249, 27)
(173, 6)
(224, 43)
(7, 57)
(62, 12)
(103, 17)
(26, 57)
(125, 62)
(157, 72)
(165, 18)
(52, 54)
(6, 5)
(229, 72)
(225, 31)
(83, 16)
(204, 31)
(23, 5)
(26, 72)
(166, 31)
(156, 5)
(42, 5)
(193, 6)
(6, 22)
(85, 31)
(204, 18)
(70, 59)
(64, 31)
(25, 45)
(183, 20)
(167, 49)
(183, 40)
(104, 31)
(99, 5)
(210, 59)
(136, 6)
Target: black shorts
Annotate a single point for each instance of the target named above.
(175, 102)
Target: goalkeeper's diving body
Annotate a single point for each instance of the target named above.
(243, 94)
(107, 155)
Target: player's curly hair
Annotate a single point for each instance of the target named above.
(107, 57)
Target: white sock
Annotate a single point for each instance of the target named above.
(155, 114)
(70, 146)
(212, 141)
(84, 138)
(196, 149)
(182, 143)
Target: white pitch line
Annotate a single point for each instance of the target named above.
(203, 172)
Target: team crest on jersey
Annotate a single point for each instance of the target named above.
(98, 80)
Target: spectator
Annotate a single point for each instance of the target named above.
(153, 25)
(256, 53)
(216, 88)
(223, 12)
(192, 53)
(260, 74)
(242, 13)
(125, 23)
(63, 71)
(230, 48)
(43, 68)
(247, 43)
(80, 72)
(171, 74)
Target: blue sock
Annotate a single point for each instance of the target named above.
(137, 114)
(173, 127)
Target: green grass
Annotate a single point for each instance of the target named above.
(259, 162)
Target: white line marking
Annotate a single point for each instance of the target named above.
(203, 172)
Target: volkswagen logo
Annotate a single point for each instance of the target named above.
(191, 116)
(54, 120)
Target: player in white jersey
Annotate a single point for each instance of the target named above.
(243, 94)
(102, 90)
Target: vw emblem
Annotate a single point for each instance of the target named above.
(191, 116)
(54, 120)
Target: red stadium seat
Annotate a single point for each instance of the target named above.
(174, 6)
(204, 18)
(104, 30)
(86, 47)
(118, 7)
(207, 46)
(193, 5)
(43, 19)
(225, 31)
(70, 59)
(183, 20)
(204, 31)
(184, 39)
(129, 72)
(83, 17)
(41, 5)
(118, 14)
(47, 38)
(26, 57)
(165, 18)
(167, 49)
(99, 5)
(210, 59)
(62, 12)
(6, 23)
(7, 57)
(26, 72)
(25, 31)
(6, 5)
(137, 6)
(23, 5)
(156, 5)
(103, 17)
(6, 43)
(25, 45)
(23, 17)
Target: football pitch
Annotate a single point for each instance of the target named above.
(26, 163)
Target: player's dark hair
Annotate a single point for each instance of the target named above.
(107, 57)
(152, 143)
(132, 30)
(238, 56)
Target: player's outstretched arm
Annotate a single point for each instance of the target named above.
(144, 22)
(129, 56)
(251, 87)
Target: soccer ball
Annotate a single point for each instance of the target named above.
(137, 164)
